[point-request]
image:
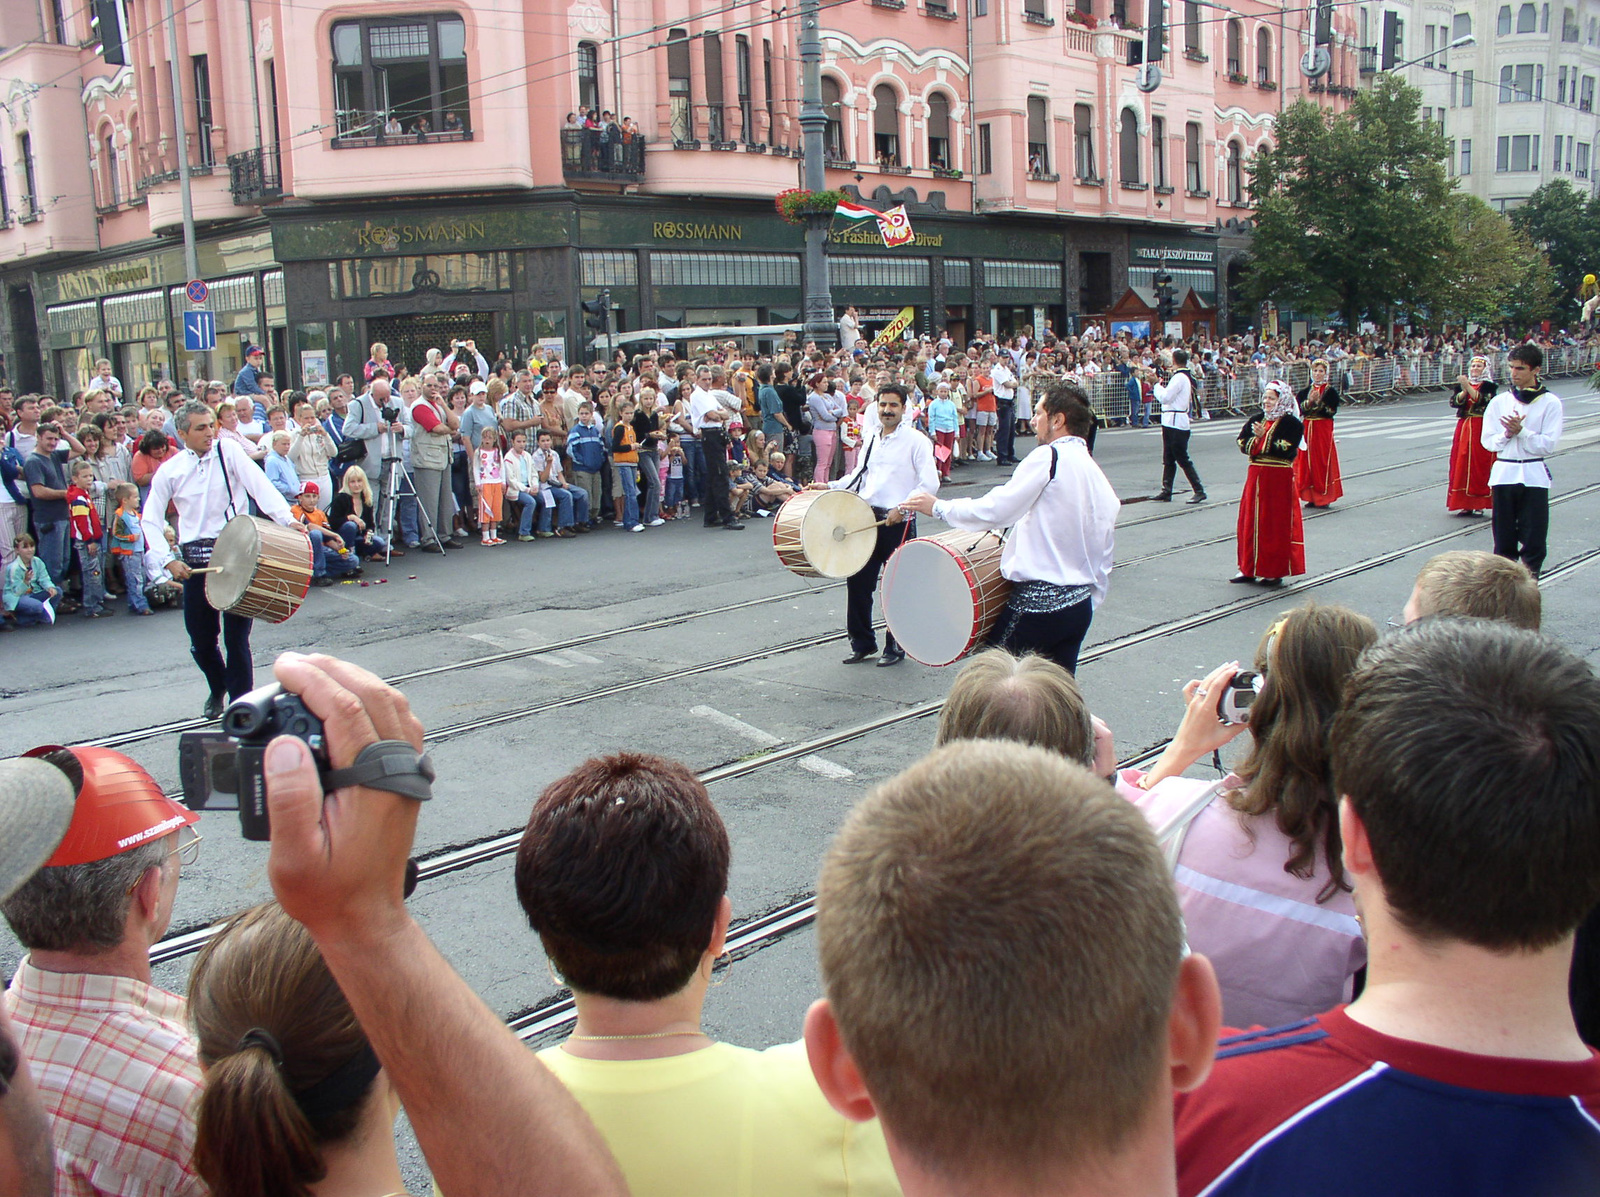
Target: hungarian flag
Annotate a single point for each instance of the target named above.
(853, 211)
(896, 227)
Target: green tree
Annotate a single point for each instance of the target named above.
(1352, 211)
(1492, 273)
(1565, 223)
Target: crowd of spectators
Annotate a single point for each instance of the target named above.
(1029, 958)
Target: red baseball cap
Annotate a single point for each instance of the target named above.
(119, 806)
(310, 488)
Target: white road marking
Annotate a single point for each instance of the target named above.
(573, 654)
(487, 639)
(821, 766)
(553, 659)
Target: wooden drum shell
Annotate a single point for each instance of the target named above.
(943, 593)
(824, 533)
(263, 569)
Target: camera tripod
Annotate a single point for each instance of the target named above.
(397, 485)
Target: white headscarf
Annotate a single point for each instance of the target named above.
(1279, 400)
(1477, 370)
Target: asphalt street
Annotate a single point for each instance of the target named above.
(697, 644)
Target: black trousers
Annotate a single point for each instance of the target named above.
(1005, 437)
(205, 623)
(717, 508)
(1175, 456)
(1057, 635)
(1521, 522)
(861, 585)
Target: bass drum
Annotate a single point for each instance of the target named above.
(259, 569)
(942, 594)
(824, 533)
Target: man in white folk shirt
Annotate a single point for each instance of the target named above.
(895, 462)
(1523, 425)
(1062, 514)
(210, 482)
(1175, 397)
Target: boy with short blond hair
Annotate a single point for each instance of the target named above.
(127, 546)
(85, 530)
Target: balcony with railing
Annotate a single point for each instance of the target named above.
(357, 127)
(1368, 60)
(586, 156)
(255, 177)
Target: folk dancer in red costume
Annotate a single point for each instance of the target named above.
(1316, 467)
(1271, 537)
(1470, 462)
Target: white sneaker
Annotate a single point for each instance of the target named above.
(637, 528)
(657, 522)
(616, 523)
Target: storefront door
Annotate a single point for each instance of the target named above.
(410, 337)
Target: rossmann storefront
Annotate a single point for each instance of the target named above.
(513, 277)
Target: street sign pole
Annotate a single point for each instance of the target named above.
(191, 260)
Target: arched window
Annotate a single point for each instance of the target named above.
(1235, 173)
(1038, 137)
(939, 130)
(110, 185)
(1128, 147)
(1235, 47)
(1503, 24)
(1527, 19)
(885, 125)
(1263, 55)
(833, 135)
(588, 75)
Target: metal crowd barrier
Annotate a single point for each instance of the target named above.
(1362, 379)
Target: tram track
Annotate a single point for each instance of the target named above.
(492, 847)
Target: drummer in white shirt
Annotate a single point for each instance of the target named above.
(894, 462)
(210, 482)
(1062, 514)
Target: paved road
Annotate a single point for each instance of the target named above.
(486, 628)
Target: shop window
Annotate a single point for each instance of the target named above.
(678, 95)
(1038, 137)
(588, 76)
(832, 104)
(1083, 143)
(861, 271)
(939, 130)
(1022, 276)
(1235, 47)
(1128, 147)
(401, 77)
(1235, 173)
(1158, 152)
(724, 270)
(1194, 177)
(885, 125)
(711, 46)
(608, 268)
(957, 274)
(1263, 56)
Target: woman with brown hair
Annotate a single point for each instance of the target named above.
(1257, 856)
(295, 1103)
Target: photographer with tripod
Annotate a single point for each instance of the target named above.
(372, 419)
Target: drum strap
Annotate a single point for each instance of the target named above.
(861, 470)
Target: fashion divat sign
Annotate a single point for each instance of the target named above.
(855, 236)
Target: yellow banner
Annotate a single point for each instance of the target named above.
(895, 328)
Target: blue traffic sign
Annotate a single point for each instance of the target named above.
(196, 290)
(199, 331)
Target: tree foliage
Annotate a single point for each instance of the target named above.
(1565, 224)
(1492, 272)
(1352, 209)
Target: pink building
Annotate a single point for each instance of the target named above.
(409, 171)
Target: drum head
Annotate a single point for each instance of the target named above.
(929, 603)
(235, 555)
(837, 533)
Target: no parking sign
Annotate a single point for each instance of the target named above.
(197, 291)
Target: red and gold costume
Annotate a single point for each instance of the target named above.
(1271, 537)
(1470, 462)
(1316, 467)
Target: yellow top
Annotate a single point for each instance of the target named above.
(726, 1121)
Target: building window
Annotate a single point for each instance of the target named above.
(111, 186)
(1561, 86)
(1466, 89)
(1460, 26)
(1450, 158)
(1527, 19)
(1194, 180)
(1038, 137)
(1521, 84)
(608, 268)
(711, 50)
(985, 151)
(1519, 153)
(1235, 173)
(772, 104)
(1503, 25)
(1191, 27)
(1158, 151)
(205, 153)
(1263, 56)
(958, 274)
(1128, 147)
(1022, 276)
(5, 199)
(1582, 170)
(678, 96)
(1083, 142)
(589, 76)
(1033, 8)
(1570, 30)
(1235, 47)
(833, 135)
(885, 125)
(939, 130)
(395, 75)
(747, 118)
(1544, 18)
(1429, 36)
(851, 270)
(1466, 155)
(726, 270)
(1586, 94)
(30, 189)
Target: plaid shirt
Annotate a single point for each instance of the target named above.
(515, 407)
(117, 1071)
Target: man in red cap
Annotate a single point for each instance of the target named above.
(116, 1069)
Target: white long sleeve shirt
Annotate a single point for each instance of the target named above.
(1174, 397)
(1063, 529)
(892, 468)
(202, 494)
(1522, 456)
(1005, 382)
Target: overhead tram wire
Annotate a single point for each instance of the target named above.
(493, 847)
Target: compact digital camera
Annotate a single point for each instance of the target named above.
(1240, 696)
(217, 766)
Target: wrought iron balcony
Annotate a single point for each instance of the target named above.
(255, 176)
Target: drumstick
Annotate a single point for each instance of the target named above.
(209, 569)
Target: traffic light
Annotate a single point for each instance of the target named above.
(1166, 309)
(1155, 33)
(105, 30)
(1324, 26)
(597, 313)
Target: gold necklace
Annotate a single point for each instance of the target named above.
(617, 1038)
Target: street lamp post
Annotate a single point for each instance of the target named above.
(819, 322)
(1459, 44)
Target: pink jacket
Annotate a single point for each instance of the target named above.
(1280, 955)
